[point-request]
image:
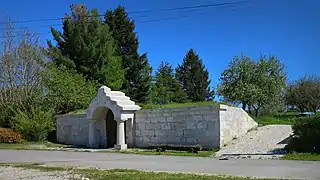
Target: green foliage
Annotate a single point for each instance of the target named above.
(194, 78)
(304, 93)
(166, 88)
(33, 123)
(9, 136)
(255, 83)
(236, 80)
(87, 46)
(306, 135)
(66, 90)
(137, 68)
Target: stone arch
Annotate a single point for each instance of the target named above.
(122, 109)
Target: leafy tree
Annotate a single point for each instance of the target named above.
(194, 77)
(269, 81)
(87, 46)
(304, 93)
(236, 81)
(66, 90)
(137, 68)
(21, 59)
(166, 88)
(253, 83)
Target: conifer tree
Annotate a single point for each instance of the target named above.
(194, 77)
(138, 78)
(166, 88)
(87, 46)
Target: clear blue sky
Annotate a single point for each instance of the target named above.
(289, 29)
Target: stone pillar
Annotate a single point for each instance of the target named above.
(121, 143)
(92, 138)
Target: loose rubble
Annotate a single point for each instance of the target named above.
(266, 142)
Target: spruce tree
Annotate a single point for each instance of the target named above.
(87, 46)
(137, 68)
(166, 88)
(194, 77)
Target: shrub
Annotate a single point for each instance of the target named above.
(33, 124)
(67, 90)
(306, 135)
(9, 136)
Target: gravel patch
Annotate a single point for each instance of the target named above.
(14, 173)
(266, 142)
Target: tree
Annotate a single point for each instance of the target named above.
(21, 59)
(166, 88)
(66, 90)
(194, 77)
(304, 93)
(253, 83)
(87, 46)
(236, 81)
(269, 80)
(137, 68)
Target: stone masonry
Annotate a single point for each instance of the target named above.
(211, 126)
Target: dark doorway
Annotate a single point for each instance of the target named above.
(111, 129)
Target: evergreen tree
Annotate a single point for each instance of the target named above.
(137, 68)
(194, 78)
(166, 88)
(87, 46)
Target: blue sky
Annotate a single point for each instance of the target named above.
(289, 29)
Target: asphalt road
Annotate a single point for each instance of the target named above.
(235, 167)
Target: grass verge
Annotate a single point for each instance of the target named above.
(302, 157)
(281, 118)
(125, 174)
(167, 153)
(31, 146)
(46, 146)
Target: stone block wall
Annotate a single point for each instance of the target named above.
(210, 126)
(234, 122)
(179, 126)
(72, 129)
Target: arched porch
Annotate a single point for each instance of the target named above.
(111, 108)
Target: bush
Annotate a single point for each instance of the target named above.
(33, 124)
(67, 90)
(306, 135)
(9, 136)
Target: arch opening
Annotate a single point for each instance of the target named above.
(105, 127)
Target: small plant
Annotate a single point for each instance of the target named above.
(9, 136)
(34, 124)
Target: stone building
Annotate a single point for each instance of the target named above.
(113, 120)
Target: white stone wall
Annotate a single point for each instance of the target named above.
(72, 129)
(210, 126)
(234, 122)
(179, 126)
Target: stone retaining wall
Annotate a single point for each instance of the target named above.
(179, 126)
(72, 129)
(210, 126)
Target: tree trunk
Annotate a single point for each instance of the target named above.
(249, 109)
(256, 112)
(244, 106)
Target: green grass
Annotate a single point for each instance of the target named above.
(124, 174)
(160, 106)
(281, 118)
(302, 157)
(51, 146)
(176, 105)
(30, 145)
(167, 153)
